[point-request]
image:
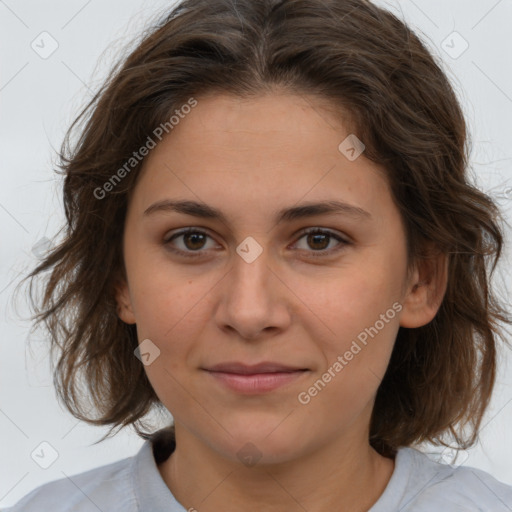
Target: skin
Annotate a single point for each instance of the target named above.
(250, 158)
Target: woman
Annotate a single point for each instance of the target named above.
(271, 204)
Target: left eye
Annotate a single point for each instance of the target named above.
(317, 237)
(193, 241)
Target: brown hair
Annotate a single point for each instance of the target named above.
(360, 58)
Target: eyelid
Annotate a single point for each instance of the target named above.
(327, 231)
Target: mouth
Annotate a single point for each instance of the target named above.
(254, 379)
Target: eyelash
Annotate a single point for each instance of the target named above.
(309, 231)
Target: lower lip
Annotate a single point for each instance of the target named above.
(256, 383)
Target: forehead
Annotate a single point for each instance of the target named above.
(259, 154)
(273, 122)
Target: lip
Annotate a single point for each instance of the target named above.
(248, 369)
(254, 379)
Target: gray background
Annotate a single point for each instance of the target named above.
(39, 97)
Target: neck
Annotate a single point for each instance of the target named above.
(344, 476)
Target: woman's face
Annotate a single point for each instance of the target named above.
(248, 286)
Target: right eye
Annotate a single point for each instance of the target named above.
(193, 241)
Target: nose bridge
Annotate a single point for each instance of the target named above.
(251, 300)
(250, 270)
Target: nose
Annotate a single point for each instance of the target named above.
(253, 299)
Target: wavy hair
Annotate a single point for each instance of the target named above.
(367, 63)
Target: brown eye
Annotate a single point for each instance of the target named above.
(319, 240)
(193, 242)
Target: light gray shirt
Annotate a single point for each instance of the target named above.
(134, 484)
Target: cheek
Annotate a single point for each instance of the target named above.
(170, 317)
(161, 295)
(354, 320)
(340, 305)
(355, 365)
(172, 323)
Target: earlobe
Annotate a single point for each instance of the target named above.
(426, 291)
(124, 303)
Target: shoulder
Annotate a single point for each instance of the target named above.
(463, 488)
(128, 485)
(107, 487)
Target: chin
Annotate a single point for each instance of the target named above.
(260, 442)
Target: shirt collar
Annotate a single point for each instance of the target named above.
(151, 492)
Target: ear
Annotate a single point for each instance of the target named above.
(124, 303)
(425, 290)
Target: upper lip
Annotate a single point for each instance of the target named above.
(245, 369)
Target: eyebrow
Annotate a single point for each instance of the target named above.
(304, 210)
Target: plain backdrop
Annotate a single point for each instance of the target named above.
(41, 94)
